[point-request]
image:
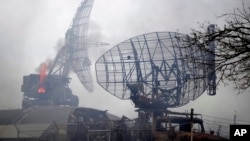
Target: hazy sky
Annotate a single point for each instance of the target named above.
(31, 29)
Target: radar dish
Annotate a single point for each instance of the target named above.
(152, 71)
(74, 54)
(80, 60)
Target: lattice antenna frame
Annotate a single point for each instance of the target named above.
(74, 54)
(152, 70)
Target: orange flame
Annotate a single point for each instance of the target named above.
(41, 90)
(43, 71)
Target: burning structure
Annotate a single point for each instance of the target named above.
(51, 86)
(53, 90)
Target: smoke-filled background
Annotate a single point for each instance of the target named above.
(31, 31)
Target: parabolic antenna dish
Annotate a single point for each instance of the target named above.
(152, 70)
(80, 60)
(74, 54)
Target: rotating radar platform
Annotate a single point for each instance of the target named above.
(153, 71)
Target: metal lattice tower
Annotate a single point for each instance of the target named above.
(153, 70)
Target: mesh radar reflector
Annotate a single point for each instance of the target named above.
(153, 70)
(74, 54)
(80, 60)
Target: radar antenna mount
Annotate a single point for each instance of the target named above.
(52, 88)
(154, 71)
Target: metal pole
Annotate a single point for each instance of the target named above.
(211, 59)
(191, 123)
